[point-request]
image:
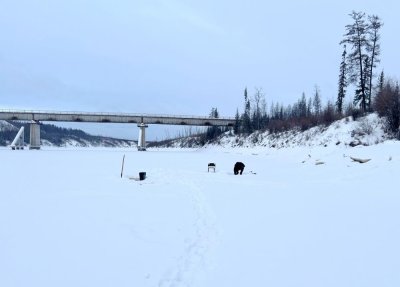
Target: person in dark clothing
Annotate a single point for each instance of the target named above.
(239, 167)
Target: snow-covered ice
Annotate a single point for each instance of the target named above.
(68, 219)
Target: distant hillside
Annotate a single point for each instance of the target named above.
(52, 135)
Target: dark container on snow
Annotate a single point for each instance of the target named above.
(142, 175)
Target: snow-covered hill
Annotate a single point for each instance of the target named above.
(368, 130)
(5, 126)
(61, 137)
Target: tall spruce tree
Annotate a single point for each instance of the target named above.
(246, 120)
(374, 49)
(309, 107)
(367, 67)
(342, 82)
(236, 127)
(264, 115)
(302, 106)
(213, 132)
(356, 37)
(381, 82)
(317, 102)
(364, 39)
(258, 96)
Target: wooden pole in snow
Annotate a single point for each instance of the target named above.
(122, 168)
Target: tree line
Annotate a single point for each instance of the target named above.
(359, 59)
(304, 113)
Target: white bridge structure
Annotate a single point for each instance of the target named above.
(18, 142)
(142, 121)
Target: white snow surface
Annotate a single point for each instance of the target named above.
(67, 218)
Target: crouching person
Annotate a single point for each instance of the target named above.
(238, 168)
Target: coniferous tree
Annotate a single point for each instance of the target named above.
(258, 96)
(364, 39)
(213, 132)
(303, 106)
(236, 127)
(309, 108)
(264, 115)
(356, 37)
(247, 128)
(374, 48)
(342, 82)
(317, 102)
(381, 82)
(273, 111)
(214, 113)
(367, 67)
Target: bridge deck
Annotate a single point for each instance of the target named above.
(46, 116)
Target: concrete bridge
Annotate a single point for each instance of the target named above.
(142, 121)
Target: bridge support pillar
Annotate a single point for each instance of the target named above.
(142, 137)
(34, 142)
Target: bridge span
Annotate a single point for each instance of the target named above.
(142, 121)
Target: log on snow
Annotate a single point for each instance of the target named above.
(360, 160)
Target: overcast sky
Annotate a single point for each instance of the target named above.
(176, 57)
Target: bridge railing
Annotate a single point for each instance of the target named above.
(63, 116)
(118, 114)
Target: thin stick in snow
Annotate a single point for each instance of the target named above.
(122, 169)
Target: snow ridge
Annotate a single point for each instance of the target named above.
(368, 130)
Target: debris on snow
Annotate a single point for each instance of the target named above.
(360, 160)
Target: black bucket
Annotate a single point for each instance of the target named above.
(142, 175)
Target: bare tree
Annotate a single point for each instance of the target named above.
(258, 96)
(387, 104)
